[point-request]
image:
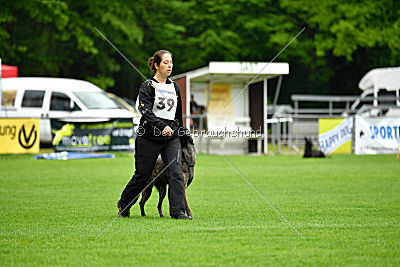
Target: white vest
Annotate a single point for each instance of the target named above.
(165, 100)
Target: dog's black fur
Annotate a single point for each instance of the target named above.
(311, 153)
(188, 162)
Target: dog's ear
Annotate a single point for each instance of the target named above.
(186, 137)
(184, 141)
(191, 140)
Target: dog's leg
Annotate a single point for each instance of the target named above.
(162, 190)
(145, 196)
(188, 212)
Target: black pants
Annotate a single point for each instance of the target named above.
(146, 154)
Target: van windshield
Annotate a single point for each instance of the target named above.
(96, 100)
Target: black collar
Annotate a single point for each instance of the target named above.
(154, 79)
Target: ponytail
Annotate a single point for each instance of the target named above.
(150, 62)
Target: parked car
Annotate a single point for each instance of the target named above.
(59, 98)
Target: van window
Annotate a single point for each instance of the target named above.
(96, 100)
(9, 96)
(32, 99)
(60, 101)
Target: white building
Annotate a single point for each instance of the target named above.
(234, 103)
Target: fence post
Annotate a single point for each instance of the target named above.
(201, 134)
(278, 136)
(290, 129)
(265, 116)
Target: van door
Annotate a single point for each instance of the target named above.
(33, 106)
(61, 106)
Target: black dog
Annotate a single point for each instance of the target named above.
(188, 162)
(311, 153)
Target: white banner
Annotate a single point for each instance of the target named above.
(378, 135)
(334, 138)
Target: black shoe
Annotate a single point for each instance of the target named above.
(182, 217)
(120, 214)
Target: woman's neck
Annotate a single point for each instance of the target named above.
(160, 78)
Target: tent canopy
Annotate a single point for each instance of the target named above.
(382, 78)
(9, 71)
(241, 72)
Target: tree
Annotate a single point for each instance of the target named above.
(347, 38)
(342, 40)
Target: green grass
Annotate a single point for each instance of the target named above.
(347, 207)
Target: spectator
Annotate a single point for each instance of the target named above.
(194, 110)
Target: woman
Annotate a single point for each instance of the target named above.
(161, 108)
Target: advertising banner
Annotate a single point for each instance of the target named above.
(335, 135)
(18, 136)
(219, 117)
(378, 135)
(113, 135)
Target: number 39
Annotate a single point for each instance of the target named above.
(161, 103)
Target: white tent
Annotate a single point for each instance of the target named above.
(381, 78)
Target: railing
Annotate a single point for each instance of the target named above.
(290, 127)
(322, 98)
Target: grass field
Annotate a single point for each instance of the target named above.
(347, 207)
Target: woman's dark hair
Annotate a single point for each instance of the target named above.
(156, 59)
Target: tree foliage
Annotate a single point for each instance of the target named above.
(341, 42)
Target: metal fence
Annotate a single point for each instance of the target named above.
(289, 126)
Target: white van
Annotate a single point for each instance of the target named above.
(61, 98)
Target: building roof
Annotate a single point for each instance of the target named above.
(236, 72)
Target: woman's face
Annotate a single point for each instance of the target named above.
(165, 67)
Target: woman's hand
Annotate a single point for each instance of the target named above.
(167, 131)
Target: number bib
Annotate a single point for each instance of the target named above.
(165, 100)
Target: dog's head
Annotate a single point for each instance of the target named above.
(308, 142)
(307, 147)
(188, 154)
